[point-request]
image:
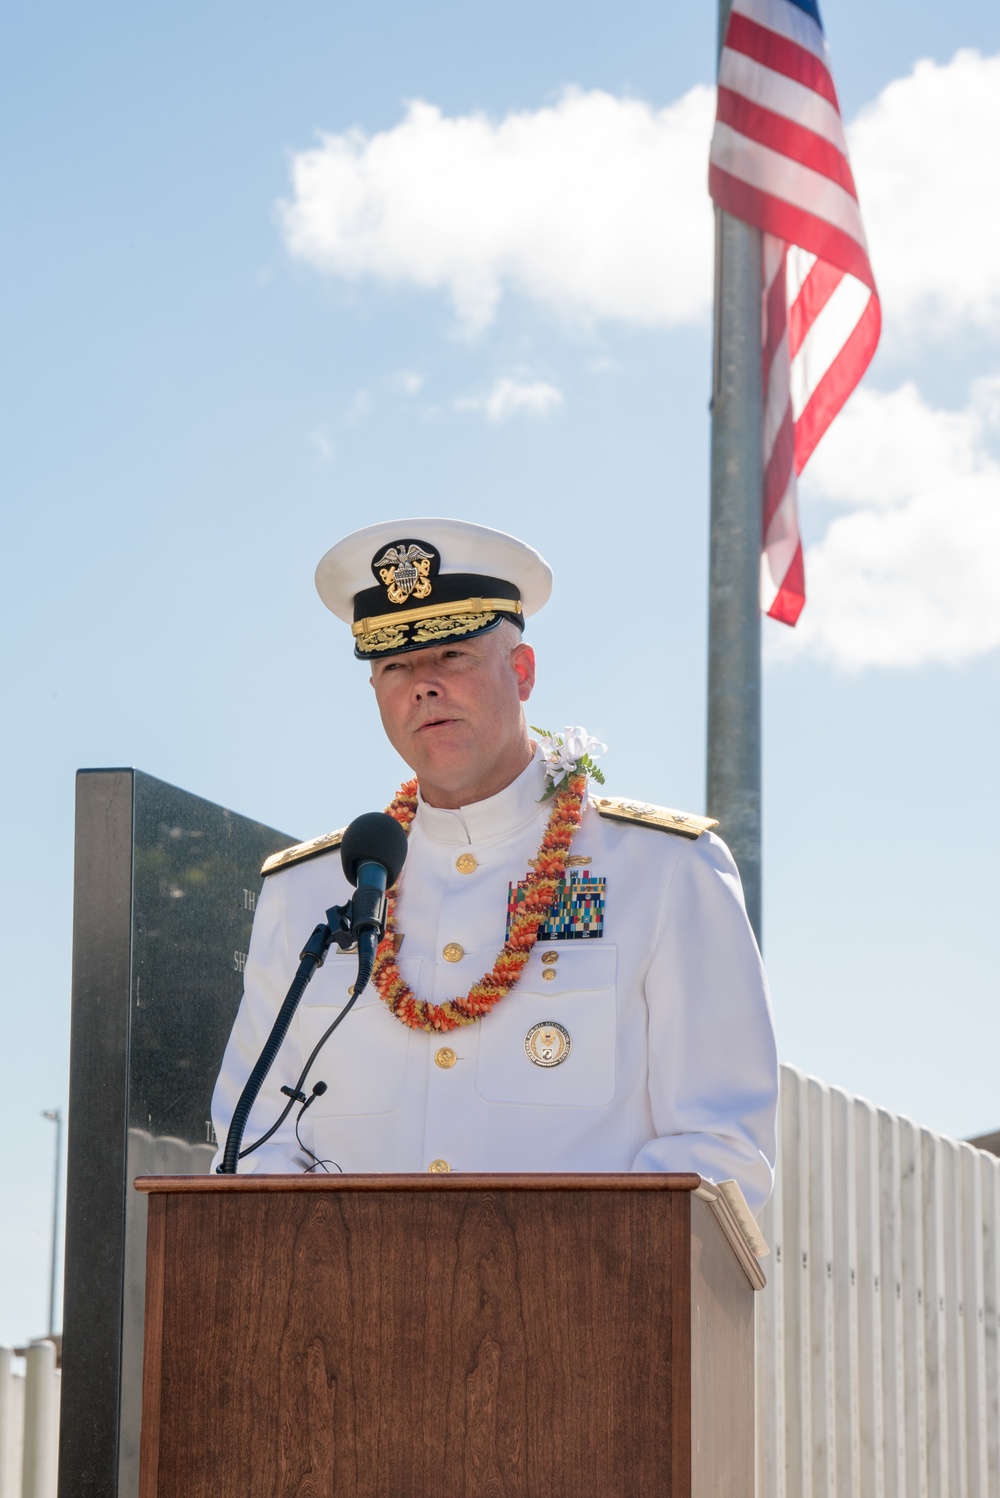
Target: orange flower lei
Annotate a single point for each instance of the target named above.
(546, 871)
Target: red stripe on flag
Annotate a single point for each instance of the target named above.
(778, 133)
(837, 384)
(791, 596)
(814, 293)
(780, 55)
(793, 225)
(779, 469)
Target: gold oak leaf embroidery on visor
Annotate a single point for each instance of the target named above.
(390, 637)
(451, 624)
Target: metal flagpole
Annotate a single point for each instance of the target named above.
(733, 758)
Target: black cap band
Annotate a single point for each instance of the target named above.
(414, 605)
(451, 587)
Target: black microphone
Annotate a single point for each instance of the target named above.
(373, 853)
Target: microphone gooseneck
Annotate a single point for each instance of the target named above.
(373, 852)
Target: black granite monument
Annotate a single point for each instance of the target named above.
(165, 889)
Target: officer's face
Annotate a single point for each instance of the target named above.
(454, 714)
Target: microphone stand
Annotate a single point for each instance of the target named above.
(344, 925)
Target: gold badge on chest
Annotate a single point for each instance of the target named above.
(547, 1044)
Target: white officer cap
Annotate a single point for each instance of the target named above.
(435, 580)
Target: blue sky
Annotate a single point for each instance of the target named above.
(256, 294)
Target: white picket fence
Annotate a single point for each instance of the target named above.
(29, 1423)
(877, 1334)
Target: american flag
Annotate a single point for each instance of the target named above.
(779, 162)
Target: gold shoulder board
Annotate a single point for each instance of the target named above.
(682, 823)
(301, 851)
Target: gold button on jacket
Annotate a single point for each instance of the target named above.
(466, 863)
(453, 952)
(438, 1168)
(445, 1057)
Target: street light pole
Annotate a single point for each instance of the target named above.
(55, 1114)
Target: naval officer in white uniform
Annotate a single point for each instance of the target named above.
(636, 1036)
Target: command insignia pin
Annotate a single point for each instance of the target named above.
(547, 1044)
(404, 570)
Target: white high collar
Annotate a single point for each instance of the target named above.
(499, 816)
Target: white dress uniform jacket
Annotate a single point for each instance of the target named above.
(672, 1063)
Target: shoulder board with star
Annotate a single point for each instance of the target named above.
(681, 823)
(302, 851)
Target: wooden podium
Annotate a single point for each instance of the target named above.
(459, 1336)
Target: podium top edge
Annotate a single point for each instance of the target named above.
(459, 1181)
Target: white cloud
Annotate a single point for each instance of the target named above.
(596, 206)
(322, 446)
(885, 448)
(912, 575)
(509, 398)
(407, 381)
(361, 406)
(924, 157)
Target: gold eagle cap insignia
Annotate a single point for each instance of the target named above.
(405, 571)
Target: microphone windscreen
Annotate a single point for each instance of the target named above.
(374, 837)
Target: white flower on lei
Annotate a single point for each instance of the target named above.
(577, 744)
(571, 752)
